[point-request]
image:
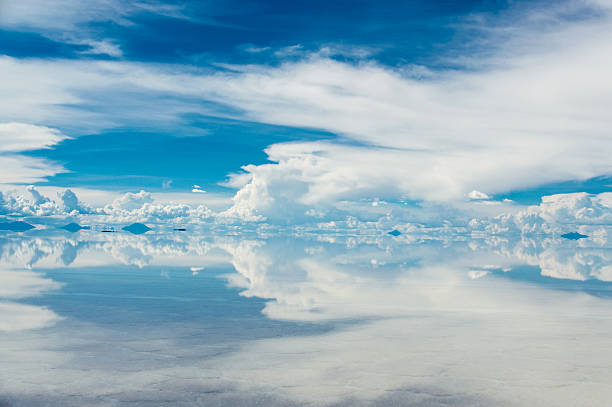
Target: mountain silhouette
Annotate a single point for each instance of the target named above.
(137, 228)
(74, 227)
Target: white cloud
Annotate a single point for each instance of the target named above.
(407, 334)
(478, 195)
(67, 203)
(20, 317)
(442, 137)
(142, 207)
(68, 20)
(70, 202)
(22, 284)
(104, 47)
(22, 169)
(559, 213)
(400, 344)
(61, 14)
(38, 199)
(68, 15)
(535, 113)
(131, 201)
(129, 207)
(38, 205)
(18, 137)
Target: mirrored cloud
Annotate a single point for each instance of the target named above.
(422, 331)
(15, 317)
(19, 284)
(23, 283)
(403, 322)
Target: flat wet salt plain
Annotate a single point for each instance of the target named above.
(91, 319)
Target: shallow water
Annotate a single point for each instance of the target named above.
(172, 319)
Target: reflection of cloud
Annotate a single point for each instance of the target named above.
(436, 357)
(429, 333)
(576, 265)
(21, 317)
(90, 248)
(558, 258)
(22, 284)
(415, 330)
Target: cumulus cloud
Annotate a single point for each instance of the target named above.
(129, 207)
(142, 207)
(70, 202)
(576, 208)
(37, 197)
(67, 203)
(131, 201)
(39, 205)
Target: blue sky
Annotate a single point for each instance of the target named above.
(213, 31)
(203, 149)
(308, 104)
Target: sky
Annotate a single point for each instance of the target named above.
(288, 110)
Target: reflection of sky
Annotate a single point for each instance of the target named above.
(100, 319)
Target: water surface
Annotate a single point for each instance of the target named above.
(173, 319)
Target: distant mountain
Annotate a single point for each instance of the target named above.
(137, 228)
(74, 227)
(574, 236)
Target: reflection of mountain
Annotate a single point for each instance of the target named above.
(16, 226)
